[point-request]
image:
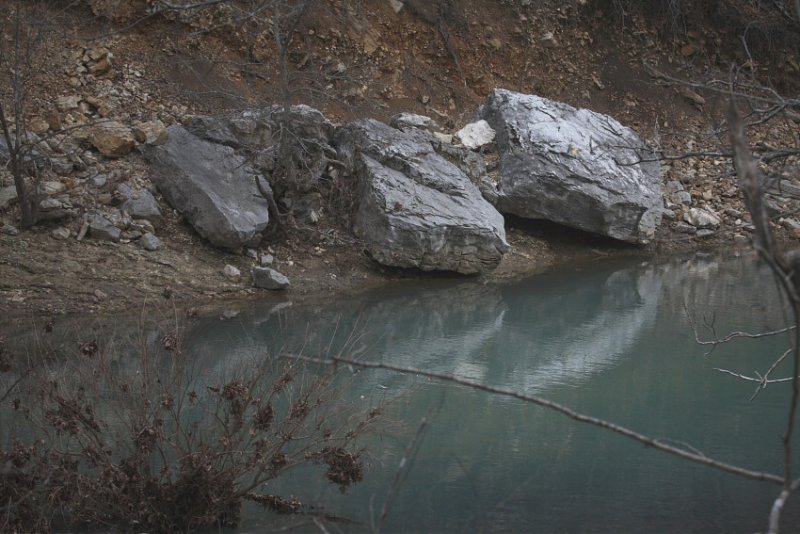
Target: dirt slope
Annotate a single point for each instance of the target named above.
(349, 59)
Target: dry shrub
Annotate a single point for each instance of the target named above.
(133, 442)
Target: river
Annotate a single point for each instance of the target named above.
(610, 339)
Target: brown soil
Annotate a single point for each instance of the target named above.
(351, 59)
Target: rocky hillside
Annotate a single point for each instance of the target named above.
(106, 79)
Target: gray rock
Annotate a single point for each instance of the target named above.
(150, 242)
(673, 186)
(705, 232)
(681, 197)
(8, 229)
(232, 273)
(101, 228)
(700, 218)
(60, 232)
(416, 209)
(99, 180)
(211, 186)
(62, 165)
(790, 224)
(786, 188)
(52, 188)
(8, 196)
(476, 134)
(683, 228)
(404, 121)
(49, 204)
(139, 204)
(266, 259)
(574, 167)
(731, 212)
(267, 278)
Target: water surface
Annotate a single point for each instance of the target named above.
(608, 339)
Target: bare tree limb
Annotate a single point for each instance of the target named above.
(564, 410)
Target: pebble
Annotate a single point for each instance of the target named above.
(232, 273)
(150, 242)
(60, 233)
(99, 180)
(9, 229)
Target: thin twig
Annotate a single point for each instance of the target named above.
(560, 408)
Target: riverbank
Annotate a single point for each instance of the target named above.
(41, 278)
(165, 70)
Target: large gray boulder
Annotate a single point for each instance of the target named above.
(573, 166)
(415, 208)
(211, 186)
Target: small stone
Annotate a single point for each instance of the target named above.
(8, 196)
(52, 188)
(669, 215)
(251, 253)
(144, 225)
(61, 165)
(705, 232)
(101, 228)
(425, 99)
(476, 134)
(700, 218)
(443, 137)
(9, 229)
(100, 295)
(38, 125)
(396, 5)
(60, 233)
(140, 204)
(548, 40)
(708, 196)
(150, 242)
(68, 103)
(790, 224)
(741, 239)
(404, 121)
(113, 139)
(267, 278)
(50, 204)
(731, 212)
(688, 50)
(673, 186)
(99, 180)
(682, 197)
(232, 273)
(151, 133)
(266, 259)
(683, 228)
(130, 235)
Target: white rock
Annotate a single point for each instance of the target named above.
(476, 134)
(700, 218)
(443, 137)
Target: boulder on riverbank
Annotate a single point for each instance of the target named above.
(211, 186)
(574, 167)
(415, 208)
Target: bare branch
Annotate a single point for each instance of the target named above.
(564, 410)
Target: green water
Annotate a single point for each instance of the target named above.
(610, 339)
